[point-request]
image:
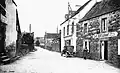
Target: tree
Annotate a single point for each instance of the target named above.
(37, 43)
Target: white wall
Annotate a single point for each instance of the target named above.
(11, 33)
(76, 20)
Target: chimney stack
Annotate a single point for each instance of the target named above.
(30, 28)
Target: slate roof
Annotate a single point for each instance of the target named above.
(101, 8)
(77, 11)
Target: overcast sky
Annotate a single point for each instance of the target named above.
(44, 15)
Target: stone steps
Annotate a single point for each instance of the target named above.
(4, 59)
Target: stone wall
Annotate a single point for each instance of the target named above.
(94, 52)
(79, 47)
(113, 51)
(11, 33)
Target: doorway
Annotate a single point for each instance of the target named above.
(2, 37)
(104, 50)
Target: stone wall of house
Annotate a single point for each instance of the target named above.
(113, 51)
(79, 47)
(11, 33)
(114, 24)
(94, 50)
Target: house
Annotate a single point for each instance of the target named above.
(99, 32)
(52, 41)
(9, 30)
(27, 39)
(68, 27)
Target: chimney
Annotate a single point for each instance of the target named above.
(30, 28)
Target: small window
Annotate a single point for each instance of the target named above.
(87, 44)
(67, 29)
(103, 24)
(67, 42)
(64, 31)
(85, 28)
(118, 46)
(72, 27)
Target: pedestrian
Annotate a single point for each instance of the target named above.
(85, 53)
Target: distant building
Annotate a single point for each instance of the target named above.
(52, 41)
(40, 40)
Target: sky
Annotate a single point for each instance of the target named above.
(44, 15)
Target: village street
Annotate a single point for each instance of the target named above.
(44, 61)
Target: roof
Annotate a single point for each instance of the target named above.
(52, 35)
(77, 11)
(101, 8)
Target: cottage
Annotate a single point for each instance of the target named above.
(100, 32)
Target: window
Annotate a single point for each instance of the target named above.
(72, 27)
(64, 31)
(118, 46)
(67, 42)
(85, 28)
(87, 45)
(103, 24)
(67, 29)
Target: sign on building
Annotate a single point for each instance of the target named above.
(105, 35)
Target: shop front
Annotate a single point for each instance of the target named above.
(107, 44)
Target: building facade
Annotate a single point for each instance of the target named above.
(9, 18)
(68, 27)
(9, 30)
(99, 32)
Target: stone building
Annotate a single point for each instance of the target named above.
(99, 32)
(9, 29)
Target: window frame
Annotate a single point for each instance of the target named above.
(72, 27)
(67, 29)
(104, 24)
(85, 28)
(63, 31)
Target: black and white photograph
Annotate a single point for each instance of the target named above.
(59, 36)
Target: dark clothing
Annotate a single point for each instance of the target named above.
(85, 53)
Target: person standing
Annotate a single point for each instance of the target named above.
(85, 53)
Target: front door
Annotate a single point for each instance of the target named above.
(104, 50)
